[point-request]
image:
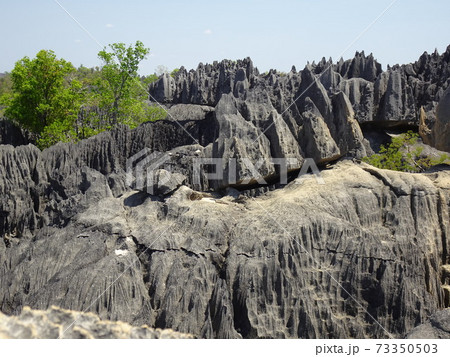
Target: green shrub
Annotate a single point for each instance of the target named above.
(402, 155)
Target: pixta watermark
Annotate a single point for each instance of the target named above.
(147, 168)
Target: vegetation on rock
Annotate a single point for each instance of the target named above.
(57, 102)
(403, 154)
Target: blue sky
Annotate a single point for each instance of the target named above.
(275, 34)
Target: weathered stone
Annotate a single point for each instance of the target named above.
(437, 327)
(361, 95)
(396, 100)
(11, 134)
(204, 258)
(56, 323)
(166, 182)
(227, 267)
(347, 132)
(441, 128)
(182, 112)
(318, 142)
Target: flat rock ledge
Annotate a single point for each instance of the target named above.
(56, 323)
(437, 327)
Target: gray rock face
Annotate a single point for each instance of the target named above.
(363, 255)
(437, 327)
(33, 183)
(323, 146)
(251, 123)
(10, 134)
(56, 323)
(441, 129)
(205, 85)
(361, 95)
(166, 182)
(280, 265)
(400, 96)
(394, 98)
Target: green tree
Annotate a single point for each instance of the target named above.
(118, 89)
(57, 102)
(5, 91)
(44, 97)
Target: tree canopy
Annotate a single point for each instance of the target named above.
(119, 79)
(43, 92)
(58, 102)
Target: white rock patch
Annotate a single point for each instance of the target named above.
(121, 252)
(208, 199)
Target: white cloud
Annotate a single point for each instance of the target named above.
(207, 32)
(109, 25)
(77, 41)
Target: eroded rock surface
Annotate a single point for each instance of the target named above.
(441, 129)
(403, 96)
(438, 326)
(279, 265)
(361, 253)
(11, 134)
(56, 323)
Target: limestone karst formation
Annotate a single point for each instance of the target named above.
(363, 254)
